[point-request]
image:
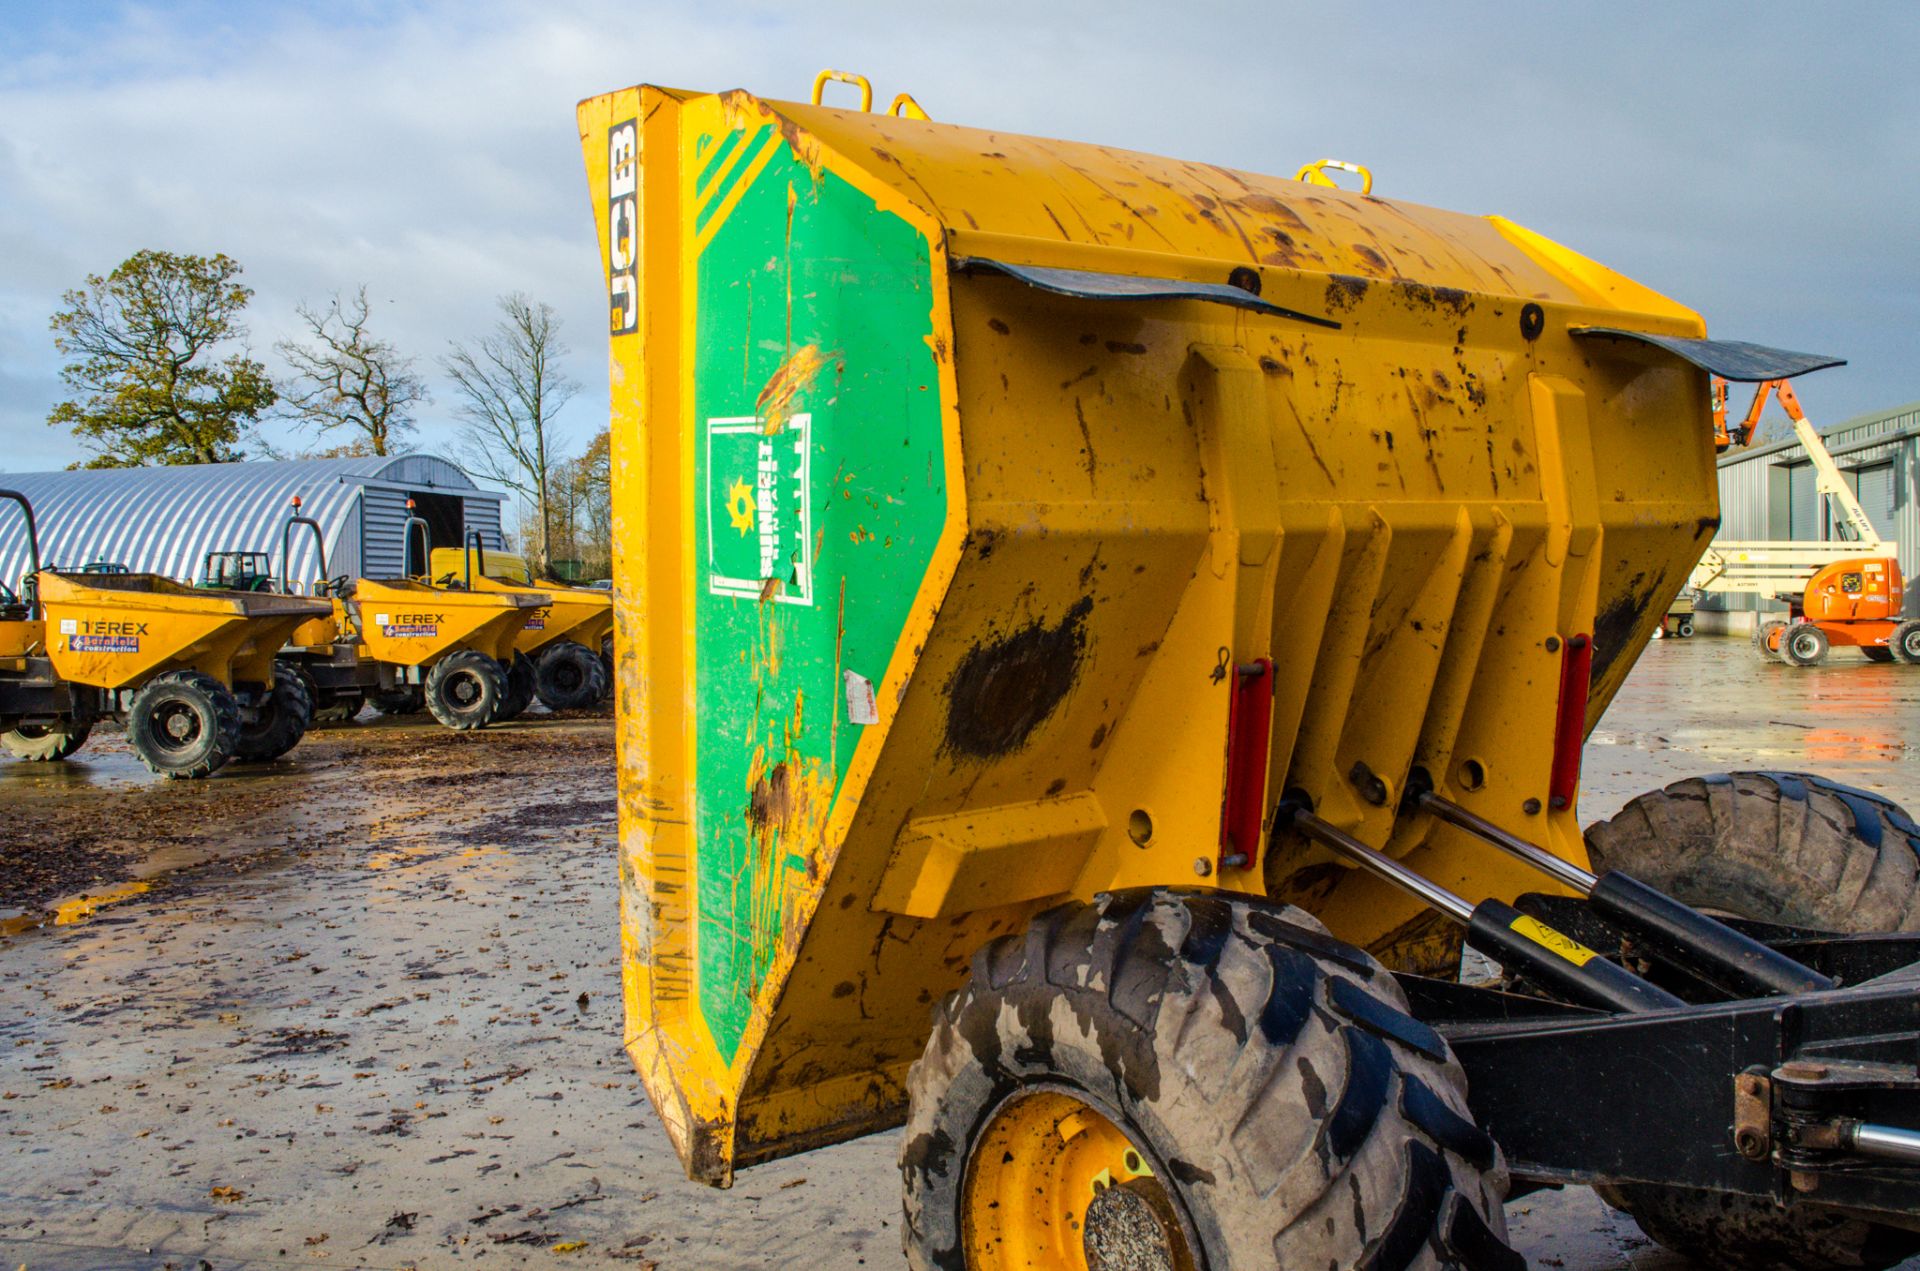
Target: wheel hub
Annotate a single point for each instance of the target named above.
(178, 725)
(1055, 1185)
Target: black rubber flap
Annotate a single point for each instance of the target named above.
(1729, 359)
(1090, 284)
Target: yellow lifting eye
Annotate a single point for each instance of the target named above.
(1315, 173)
(903, 105)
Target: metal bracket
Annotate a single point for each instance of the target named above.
(1753, 1115)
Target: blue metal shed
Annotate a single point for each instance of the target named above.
(165, 520)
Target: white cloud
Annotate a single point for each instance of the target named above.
(1759, 163)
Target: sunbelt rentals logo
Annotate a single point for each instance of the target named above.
(759, 508)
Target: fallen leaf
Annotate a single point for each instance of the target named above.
(228, 1195)
(570, 1246)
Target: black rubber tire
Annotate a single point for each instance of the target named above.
(465, 690)
(1785, 848)
(1905, 641)
(281, 719)
(208, 720)
(45, 743)
(400, 702)
(330, 706)
(570, 677)
(1301, 1116)
(336, 707)
(1803, 644)
(520, 688)
(1761, 631)
(1875, 653)
(1686, 629)
(1775, 846)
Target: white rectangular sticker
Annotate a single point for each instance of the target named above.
(862, 708)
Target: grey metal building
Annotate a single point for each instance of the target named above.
(165, 520)
(1768, 492)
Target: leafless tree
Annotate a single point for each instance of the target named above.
(511, 387)
(349, 379)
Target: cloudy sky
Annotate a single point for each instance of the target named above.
(1760, 162)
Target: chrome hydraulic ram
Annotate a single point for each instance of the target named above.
(1884, 1141)
(1517, 942)
(1675, 933)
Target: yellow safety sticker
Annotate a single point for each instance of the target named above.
(1547, 938)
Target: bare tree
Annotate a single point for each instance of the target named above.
(581, 501)
(349, 379)
(510, 387)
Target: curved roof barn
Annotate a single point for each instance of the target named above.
(165, 520)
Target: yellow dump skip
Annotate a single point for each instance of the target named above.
(117, 631)
(965, 478)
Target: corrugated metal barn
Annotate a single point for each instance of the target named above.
(1767, 493)
(165, 520)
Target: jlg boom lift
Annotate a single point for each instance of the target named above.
(1114, 626)
(1854, 598)
(1848, 593)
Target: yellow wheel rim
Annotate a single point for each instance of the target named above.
(1054, 1185)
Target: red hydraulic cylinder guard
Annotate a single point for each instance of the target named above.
(1570, 724)
(1249, 722)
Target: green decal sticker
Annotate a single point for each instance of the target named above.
(820, 495)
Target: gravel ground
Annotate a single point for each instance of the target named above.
(360, 1008)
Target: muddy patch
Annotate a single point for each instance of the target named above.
(1005, 689)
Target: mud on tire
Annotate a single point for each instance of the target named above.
(520, 688)
(1905, 641)
(281, 719)
(1775, 846)
(183, 724)
(1269, 1072)
(45, 743)
(465, 690)
(408, 700)
(1778, 847)
(570, 677)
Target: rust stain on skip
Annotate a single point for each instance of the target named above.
(788, 803)
(794, 375)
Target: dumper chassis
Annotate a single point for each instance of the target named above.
(1085, 676)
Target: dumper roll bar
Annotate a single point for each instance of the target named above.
(476, 551)
(30, 590)
(426, 544)
(286, 551)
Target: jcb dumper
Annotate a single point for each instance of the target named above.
(556, 656)
(1113, 625)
